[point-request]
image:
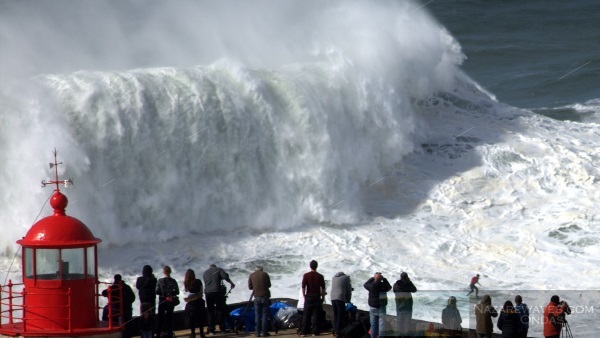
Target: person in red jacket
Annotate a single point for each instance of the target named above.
(554, 317)
(474, 280)
(313, 290)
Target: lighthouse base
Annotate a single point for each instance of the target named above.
(16, 330)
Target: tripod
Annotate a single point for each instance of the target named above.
(566, 330)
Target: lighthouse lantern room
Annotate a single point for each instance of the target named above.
(58, 296)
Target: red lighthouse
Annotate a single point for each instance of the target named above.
(58, 296)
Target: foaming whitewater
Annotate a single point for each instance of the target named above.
(224, 146)
(372, 151)
(587, 111)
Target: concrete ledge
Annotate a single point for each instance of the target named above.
(182, 330)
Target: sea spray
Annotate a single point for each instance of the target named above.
(158, 153)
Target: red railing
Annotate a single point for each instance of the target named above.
(9, 301)
(114, 306)
(13, 309)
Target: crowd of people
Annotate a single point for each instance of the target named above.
(513, 320)
(205, 302)
(206, 305)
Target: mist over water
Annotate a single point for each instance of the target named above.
(63, 37)
(295, 109)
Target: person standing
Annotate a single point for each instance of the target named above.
(474, 280)
(195, 307)
(128, 299)
(105, 309)
(508, 321)
(216, 302)
(121, 292)
(146, 285)
(341, 293)
(378, 287)
(260, 282)
(167, 291)
(313, 290)
(554, 314)
(523, 312)
(484, 311)
(146, 321)
(403, 289)
(451, 316)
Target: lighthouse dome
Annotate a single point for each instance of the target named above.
(59, 230)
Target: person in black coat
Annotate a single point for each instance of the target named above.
(378, 287)
(508, 321)
(403, 289)
(168, 297)
(195, 308)
(146, 285)
(121, 297)
(451, 316)
(146, 322)
(128, 299)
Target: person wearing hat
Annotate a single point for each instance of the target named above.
(403, 289)
(260, 282)
(341, 294)
(146, 285)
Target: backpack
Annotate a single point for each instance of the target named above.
(168, 289)
(357, 329)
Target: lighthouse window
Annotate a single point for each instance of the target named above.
(46, 263)
(28, 263)
(91, 262)
(72, 261)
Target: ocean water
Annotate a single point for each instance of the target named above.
(442, 139)
(537, 55)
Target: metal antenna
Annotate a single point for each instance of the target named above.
(56, 181)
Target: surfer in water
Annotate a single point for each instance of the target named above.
(474, 280)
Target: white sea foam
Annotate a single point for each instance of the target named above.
(590, 109)
(363, 158)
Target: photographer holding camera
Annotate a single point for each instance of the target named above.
(554, 317)
(216, 297)
(377, 286)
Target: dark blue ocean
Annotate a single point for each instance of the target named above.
(542, 55)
